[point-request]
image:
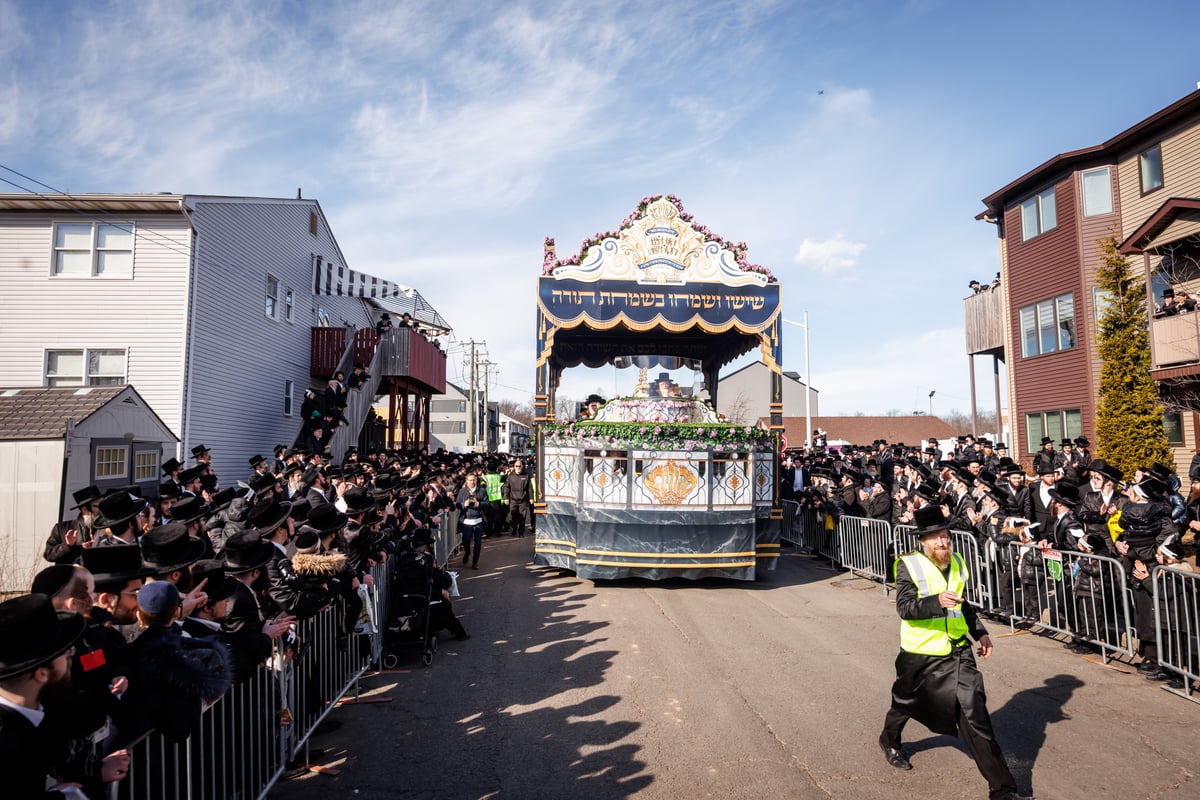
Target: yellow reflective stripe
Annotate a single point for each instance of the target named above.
(916, 570)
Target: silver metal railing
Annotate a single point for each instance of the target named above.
(1084, 596)
(1177, 624)
(244, 740)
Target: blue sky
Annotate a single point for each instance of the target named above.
(445, 140)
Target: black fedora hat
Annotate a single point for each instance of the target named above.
(325, 519)
(169, 489)
(115, 564)
(1110, 473)
(246, 550)
(223, 498)
(1047, 440)
(189, 509)
(261, 484)
(220, 585)
(1066, 493)
(168, 548)
(358, 500)
(191, 473)
(170, 465)
(268, 515)
(256, 459)
(199, 450)
(32, 633)
(929, 520)
(86, 496)
(300, 509)
(117, 509)
(422, 536)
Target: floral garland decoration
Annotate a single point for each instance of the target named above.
(739, 249)
(685, 436)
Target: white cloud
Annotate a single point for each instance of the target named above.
(838, 256)
(856, 104)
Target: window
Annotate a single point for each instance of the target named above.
(1173, 426)
(1038, 215)
(1058, 425)
(462, 406)
(1097, 192)
(145, 466)
(272, 307)
(1150, 169)
(287, 305)
(1101, 301)
(93, 249)
(462, 427)
(110, 463)
(66, 367)
(1048, 326)
(288, 388)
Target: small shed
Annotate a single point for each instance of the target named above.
(55, 441)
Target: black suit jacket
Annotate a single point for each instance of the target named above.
(25, 756)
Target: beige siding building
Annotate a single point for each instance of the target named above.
(743, 395)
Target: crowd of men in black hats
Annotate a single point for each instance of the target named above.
(153, 606)
(1074, 503)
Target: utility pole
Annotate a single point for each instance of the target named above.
(487, 409)
(471, 400)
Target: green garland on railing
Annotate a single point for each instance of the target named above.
(685, 436)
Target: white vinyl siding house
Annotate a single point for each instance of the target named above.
(241, 358)
(189, 317)
(144, 315)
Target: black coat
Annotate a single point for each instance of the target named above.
(172, 677)
(57, 550)
(26, 755)
(930, 688)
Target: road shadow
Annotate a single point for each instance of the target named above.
(791, 569)
(1020, 725)
(519, 710)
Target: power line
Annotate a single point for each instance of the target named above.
(133, 229)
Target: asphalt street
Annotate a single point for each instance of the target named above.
(678, 689)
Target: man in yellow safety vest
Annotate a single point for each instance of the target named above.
(937, 682)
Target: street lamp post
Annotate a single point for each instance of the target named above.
(932, 392)
(807, 382)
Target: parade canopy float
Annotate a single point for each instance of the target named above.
(663, 292)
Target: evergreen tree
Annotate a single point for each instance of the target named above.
(1129, 416)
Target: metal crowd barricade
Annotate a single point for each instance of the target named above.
(787, 529)
(1177, 624)
(244, 739)
(1080, 595)
(863, 546)
(238, 749)
(447, 538)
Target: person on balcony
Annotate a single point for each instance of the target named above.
(384, 325)
(1169, 307)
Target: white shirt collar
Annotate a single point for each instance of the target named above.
(34, 715)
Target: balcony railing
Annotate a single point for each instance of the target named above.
(983, 316)
(404, 353)
(1175, 340)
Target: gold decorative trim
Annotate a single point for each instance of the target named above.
(662, 555)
